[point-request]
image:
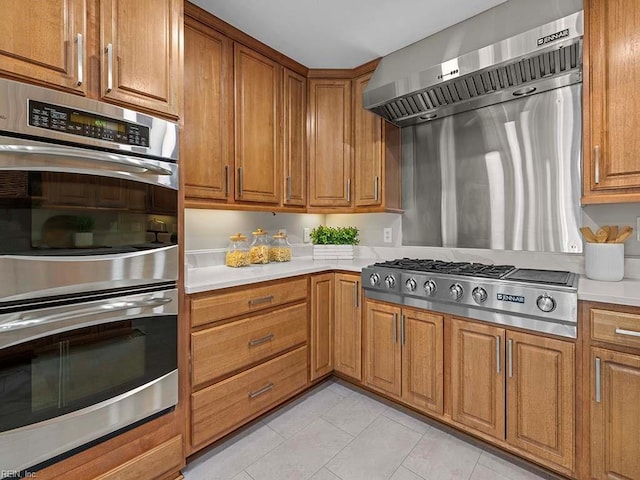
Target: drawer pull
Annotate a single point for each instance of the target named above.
(598, 380)
(629, 333)
(260, 391)
(261, 340)
(258, 301)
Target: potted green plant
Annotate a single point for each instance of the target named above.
(334, 243)
(83, 236)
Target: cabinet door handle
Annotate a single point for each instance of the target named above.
(258, 301)
(109, 67)
(376, 187)
(261, 340)
(510, 357)
(348, 190)
(498, 342)
(395, 328)
(598, 380)
(403, 337)
(260, 391)
(596, 164)
(356, 296)
(226, 180)
(240, 186)
(80, 64)
(288, 187)
(629, 333)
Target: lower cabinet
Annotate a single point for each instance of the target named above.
(322, 324)
(347, 357)
(404, 354)
(516, 387)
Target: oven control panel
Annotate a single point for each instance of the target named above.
(85, 124)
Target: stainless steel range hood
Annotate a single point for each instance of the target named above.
(517, 48)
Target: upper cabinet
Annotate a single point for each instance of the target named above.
(57, 53)
(376, 155)
(330, 168)
(140, 53)
(207, 139)
(257, 126)
(294, 126)
(612, 102)
(102, 53)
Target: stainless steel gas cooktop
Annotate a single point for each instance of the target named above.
(540, 300)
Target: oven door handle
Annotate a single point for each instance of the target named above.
(122, 162)
(10, 332)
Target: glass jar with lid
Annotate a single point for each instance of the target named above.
(260, 247)
(280, 250)
(238, 252)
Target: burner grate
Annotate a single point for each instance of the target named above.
(451, 268)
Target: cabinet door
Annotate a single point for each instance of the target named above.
(422, 360)
(322, 291)
(67, 189)
(612, 167)
(541, 397)
(141, 53)
(295, 139)
(110, 193)
(207, 137)
(368, 149)
(257, 126)
(477, 379)
(615, 415)
(330, 143)
(382, 348)
(348, 326)
(45, 41)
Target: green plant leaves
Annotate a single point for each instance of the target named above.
(323, 235)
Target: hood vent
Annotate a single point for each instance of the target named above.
(541, 59)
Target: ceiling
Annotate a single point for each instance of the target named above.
(342, 33)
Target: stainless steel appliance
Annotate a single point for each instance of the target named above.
(88, 323)
(491, 111)
(539, 300)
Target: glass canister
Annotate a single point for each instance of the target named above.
(260, 247)
(280, 250)
(238, 252)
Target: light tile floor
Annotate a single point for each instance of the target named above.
(334, 432)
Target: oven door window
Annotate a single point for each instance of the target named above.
(62, 373)
(55, 213)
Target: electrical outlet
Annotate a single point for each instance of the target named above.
(388, 235)
(306, 235)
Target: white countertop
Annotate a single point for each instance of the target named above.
(202, 279)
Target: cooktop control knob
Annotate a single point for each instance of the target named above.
(411, 284)
(374, 279)
(390, 281)
(546, 303)
(430, 287)
(456, 291)
(479, 294)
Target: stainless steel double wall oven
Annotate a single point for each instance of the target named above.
(88, 269)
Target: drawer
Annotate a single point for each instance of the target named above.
(220, 408)
(223, 349)
(615, 327)
(166, 458)
(211, 308)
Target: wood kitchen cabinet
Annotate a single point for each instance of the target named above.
(207, 139)
(376, 155)
(537, 414)
(55, 52)
(612, 103)
(141, 66)
(348, 326)
(404, 354)
(330, 132)
(322, 325)
(614, 390)
(257, 126)
(294, 132)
